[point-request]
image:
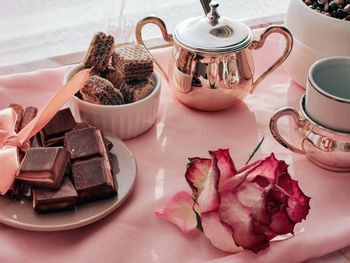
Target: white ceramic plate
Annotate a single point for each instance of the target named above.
(20, 214)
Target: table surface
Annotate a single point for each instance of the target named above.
(134, 233)
(46, 29)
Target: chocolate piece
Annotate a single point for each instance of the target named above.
(137, 90)
(44, 167)
(84, 143)
(99, 52)
(93, 179)
(55, 200)
(108, 143)
(19, 191)
(132, 62)
(112, 75)
(28, 115)
(100, 91)
(26, 192)
(14, 193)
(53, 132)
(81, 125)
(36, 141)
(113, 160)
(19, 111)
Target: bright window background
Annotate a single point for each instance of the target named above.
(37, 29)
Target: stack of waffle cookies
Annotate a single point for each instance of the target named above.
(121, 73)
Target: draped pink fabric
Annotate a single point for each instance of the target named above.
(134, 234)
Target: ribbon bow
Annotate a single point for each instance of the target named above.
(11, 142)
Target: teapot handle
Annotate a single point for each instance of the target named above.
(259, 43)
(166, 36)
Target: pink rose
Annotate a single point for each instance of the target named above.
(237, 209)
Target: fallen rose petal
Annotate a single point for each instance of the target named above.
(219, 234)
(179, 211)
(196, 174)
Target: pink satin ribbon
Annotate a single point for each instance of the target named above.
(11, 142)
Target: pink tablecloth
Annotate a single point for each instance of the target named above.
(134, 234)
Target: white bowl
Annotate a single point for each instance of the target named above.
(124, 121)
(316, 36)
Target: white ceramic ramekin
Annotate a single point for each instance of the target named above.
(316, 36)
(124, 121)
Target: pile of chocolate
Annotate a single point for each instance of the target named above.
(68, 163)
(335, 8)
(121, 74)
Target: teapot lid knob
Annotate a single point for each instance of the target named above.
(213, 16)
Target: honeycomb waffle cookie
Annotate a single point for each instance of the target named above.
(98, 90)
(132, 62)
(99, 53)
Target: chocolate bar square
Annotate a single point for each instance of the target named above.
(44, 167)
(84, 143)
(93, 179)
(53, 132)
(55, 200)
(83, 125)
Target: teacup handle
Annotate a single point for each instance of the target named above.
(274, 127)
(166, 36)
(259, 43)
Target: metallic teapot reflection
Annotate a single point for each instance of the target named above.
(211, 66)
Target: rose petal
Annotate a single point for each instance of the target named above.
(298, 202)
(249, 166)
(235, 181)
(219, 234)
(196, 173)
(281, 223)
(298, 208)
(179, 211)
(225, 164)
(208, 200)
(236, 211)
(265, 168)
(261, 181)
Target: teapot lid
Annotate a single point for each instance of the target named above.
(212, 33)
